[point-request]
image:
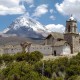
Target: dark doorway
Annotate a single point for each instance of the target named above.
(54, 52)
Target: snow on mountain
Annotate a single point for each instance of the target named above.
(26, 27)
(7, 29)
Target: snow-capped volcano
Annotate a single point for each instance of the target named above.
(26, 27)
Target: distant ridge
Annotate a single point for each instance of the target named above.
(17, 40)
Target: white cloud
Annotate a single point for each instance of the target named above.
(52, 17)
(55, 28)
(29, 1)
(31, 6)
(40, 10)
(51, 11)
(11, 7)
(68, 7)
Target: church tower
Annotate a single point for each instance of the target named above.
(71, 35)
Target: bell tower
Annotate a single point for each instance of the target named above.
(71, 25)
(71, 34)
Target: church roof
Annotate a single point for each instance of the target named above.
(56, 35)
(59, 43)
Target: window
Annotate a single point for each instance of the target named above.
(59, 39)
(79, 40)
(74, 29)
(69, 28)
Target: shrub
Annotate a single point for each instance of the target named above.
(7, 58)
(35, 56)
(20, 56)
(0, 59)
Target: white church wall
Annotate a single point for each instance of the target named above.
(45, 49)
(62, 50)
(66, 49)
(58, 50)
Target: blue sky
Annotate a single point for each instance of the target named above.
(51, 13)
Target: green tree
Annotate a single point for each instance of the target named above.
(73, 70)
(20, 56)
(17, 69)
(7, 58)
(35, 56)
(21, 71)
(0, 59)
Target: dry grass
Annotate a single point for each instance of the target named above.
(51, 57)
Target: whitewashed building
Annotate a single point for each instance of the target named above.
(61, 48)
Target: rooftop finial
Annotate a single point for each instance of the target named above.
(71, 17)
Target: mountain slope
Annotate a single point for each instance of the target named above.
(26, 27)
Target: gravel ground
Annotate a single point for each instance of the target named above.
(51, 57)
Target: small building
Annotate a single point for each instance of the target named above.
(61, 48)
(56, 49)
(59, 45)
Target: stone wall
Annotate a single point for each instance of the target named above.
(49, 41)
(10, 49)
(73, 40)
(45, 49)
